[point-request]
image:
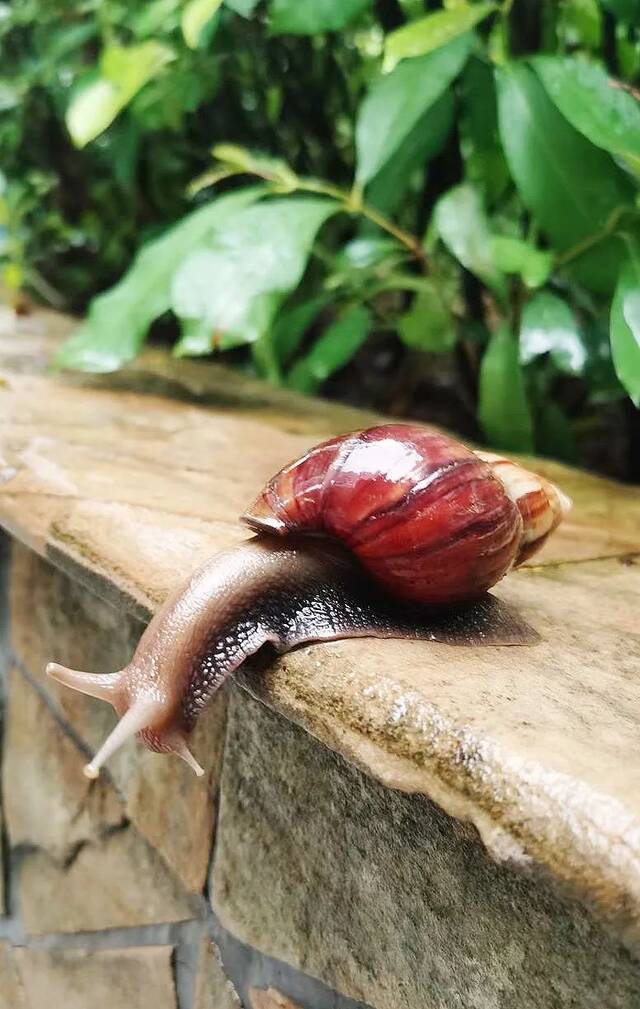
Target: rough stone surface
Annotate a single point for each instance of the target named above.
(83, 866)
(78, 979)
(269, 998)
(213, 989)
(526, 743)
(127, 482)
(11, 991)
(54, 618)
(379, 895)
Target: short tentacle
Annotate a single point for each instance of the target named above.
(177, 744)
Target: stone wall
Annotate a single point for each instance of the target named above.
(105, 883)
(287, 879)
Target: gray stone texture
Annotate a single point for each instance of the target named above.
(55, 618)
(383, 897)
(213, 989)
(83, 866)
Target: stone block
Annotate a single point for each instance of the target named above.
(83, 864)
(55, 618)
(269, 998)
(11, 991)
(213, 988)
(109, 979)
(382, 897)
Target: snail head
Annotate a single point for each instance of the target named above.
(143, 713)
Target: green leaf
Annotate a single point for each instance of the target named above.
(554, 434)
(236, 281)
(239, 159)
(424, 141)
(580, 24)
(92, 110)
(130, 67)
(308, 17)
(365, 253)
(291, 325)
(331, 351)
(243, 7)
(124, 71)
(571, 186)
(512, 255)
(196, 338)
(432, 32)
(625, 329)
(460, 220)
(429, 325)
(195, 16)
(118, 320)
(396, 103)
(478, 123)
(594, 104)
(549, 327)
(158, 16)
(626, 10)
(503, 408)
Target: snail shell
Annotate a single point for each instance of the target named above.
(431, 520)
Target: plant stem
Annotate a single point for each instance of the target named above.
(352, 203)
(591, 240)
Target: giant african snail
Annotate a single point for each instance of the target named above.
(384, 532)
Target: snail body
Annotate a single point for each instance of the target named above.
(385, 532)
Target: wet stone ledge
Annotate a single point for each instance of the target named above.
(381, 824)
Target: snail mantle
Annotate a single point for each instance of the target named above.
(524, 762)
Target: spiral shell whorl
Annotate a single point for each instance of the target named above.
(424, 514)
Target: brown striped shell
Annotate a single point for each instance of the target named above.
(431, 520)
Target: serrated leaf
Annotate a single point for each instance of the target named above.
(301, 17)
(503, 407)
(124, 70)
(196, 14)
(570, 186)
(331, 351)
(236, 281)
(118, 320)
(594, 104)
(428, 325)
(396, 103)
(549, 327)
(433, 31)
(460, 220)
(625, 328)
(513, 255)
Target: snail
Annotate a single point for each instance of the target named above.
(390, 532)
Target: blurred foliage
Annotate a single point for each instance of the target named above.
(394, 201)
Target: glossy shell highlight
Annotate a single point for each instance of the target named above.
(426, 516)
